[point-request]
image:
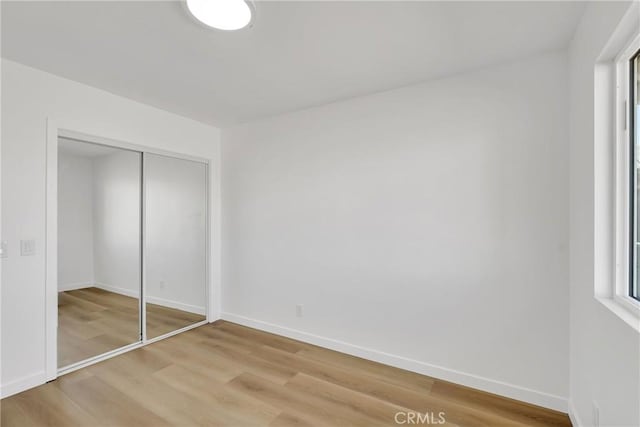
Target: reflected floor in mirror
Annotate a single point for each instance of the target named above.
(92, 321)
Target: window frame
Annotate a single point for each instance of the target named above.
(626, 179)
(634, 131)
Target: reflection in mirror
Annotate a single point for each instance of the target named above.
(99, 194)
(175, 243)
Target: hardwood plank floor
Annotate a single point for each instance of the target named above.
(92, 321)
(224, 374)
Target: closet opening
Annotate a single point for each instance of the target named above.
(127, 248)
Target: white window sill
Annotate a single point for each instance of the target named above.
(628, 311)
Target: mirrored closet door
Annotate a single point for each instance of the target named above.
(99, 249)
(175, 243)
(132, 248)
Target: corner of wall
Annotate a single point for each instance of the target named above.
(573, 415)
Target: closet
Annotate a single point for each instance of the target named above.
(131, 248)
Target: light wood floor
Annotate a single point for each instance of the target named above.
(92, 321)
(226, 374)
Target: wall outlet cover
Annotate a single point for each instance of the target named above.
(27, 247)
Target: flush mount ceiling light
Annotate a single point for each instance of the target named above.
(221, 14)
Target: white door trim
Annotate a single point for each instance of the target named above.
(51, 254)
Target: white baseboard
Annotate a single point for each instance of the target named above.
(524, 394)
(74, 286)
(22, 384)
(117, 290)
(177, 305)
(154, 300)
(573, 415)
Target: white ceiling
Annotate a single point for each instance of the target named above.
(298, 54)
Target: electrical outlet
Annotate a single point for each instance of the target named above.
(4, 249)
(162, 284)
(299, 310)
(27, 247)
(596, 415)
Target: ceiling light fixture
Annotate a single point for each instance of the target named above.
(221, 14)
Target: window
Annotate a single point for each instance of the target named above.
(617, 137)
(626, 126)
(633, 120)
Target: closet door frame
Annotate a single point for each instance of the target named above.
(56, 130)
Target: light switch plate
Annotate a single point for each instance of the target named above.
(4, 249)
(27, 247)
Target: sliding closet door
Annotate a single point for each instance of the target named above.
(99, 249)
(175, 243)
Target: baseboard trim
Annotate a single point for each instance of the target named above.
(116, 290)
(573, 415)
(22, 384)
(74, 286)
(546, 400)
(154, 300)
(177, 305)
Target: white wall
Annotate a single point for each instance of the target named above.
(29, 97)
(427, 227)
(99, 225)
(116, 208)
(175, 195)
(605, 351)
(75, 221)
(175, 218)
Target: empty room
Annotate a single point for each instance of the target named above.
(320, 213)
